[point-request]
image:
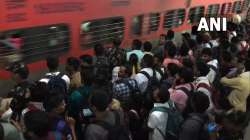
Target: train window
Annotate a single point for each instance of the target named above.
(101, 31)
(237, 7)
(213, 10)
(174, 18)
(154, 22)
(226, 8)
(137, 24)
(245, 5)
(195, 14)
(32, 44)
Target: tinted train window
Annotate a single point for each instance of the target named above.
(154, 22)
(32, 44)
(174, 18)
(237, 7)
(137, 24)
(226, 8)
(101, 31)
(245, 5)
(213, 10)
(195, 14)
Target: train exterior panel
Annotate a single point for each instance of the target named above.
(72, 27)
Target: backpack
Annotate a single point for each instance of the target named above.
(135, 96)
(174, 122)
(56, 84)
(152, 81)
(116, 132)
(203, 133)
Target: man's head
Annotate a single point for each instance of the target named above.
(158, 60)
(124, 72)
(184, 75)
(147, 46)
(72, 65)
(20, 72)
(170, 35)
(202, 68)
(147, 61)
(52, 63)
(117, 43)
(99, 50)
(170, 49)
(172, 69)
(162, 39)
(200, 102)
(100, 100)
(161, 94)
(36, 125)
(136, 45)
(55, 103)
(206, 54)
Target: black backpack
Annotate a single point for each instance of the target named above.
(135, 100)
(116, 132)
(174, 122)
(152, 81)
(203, 131)
(56, 84)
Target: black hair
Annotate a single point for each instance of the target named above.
(52, 63)
(170, 35)
(53, 101)
(137, 44)
(194, 30)
(100, 99)
(117, 42)
(133, 60)
(99, 49)
(247, 64)
(186, 74)
(159, 57)
(206, 51)
(163, 94)
(184, 50)
(147, 46)
(171, 49)
(74, 63)
(173, 69)
(87, 75)
(200, 102)
(226, 56)
(23, 72)
(87, 59)
(202, 67)
(129, 70)
(214, 35)
(237, 118)
(148, 61)
(38, 92)
(37, 122)
(187, 62)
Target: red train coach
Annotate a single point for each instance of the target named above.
(71, 27)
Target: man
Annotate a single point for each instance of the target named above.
(21, 92)
(124, 87)
(157, 120)
(147, 47)
(100, 101)
(159, 49)
(206, 55)
(136, 49)
(240, 88)
(53, 64)
(147, 72)
(192, 128)
(116, 55)
(73, 71)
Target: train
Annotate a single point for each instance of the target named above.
(72, 27)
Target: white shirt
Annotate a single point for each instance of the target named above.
(115, 72)
(205, 90)
(157, 121)
(142, 80)
(212, 73)
(64, 77)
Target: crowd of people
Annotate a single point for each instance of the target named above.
(199, 90)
